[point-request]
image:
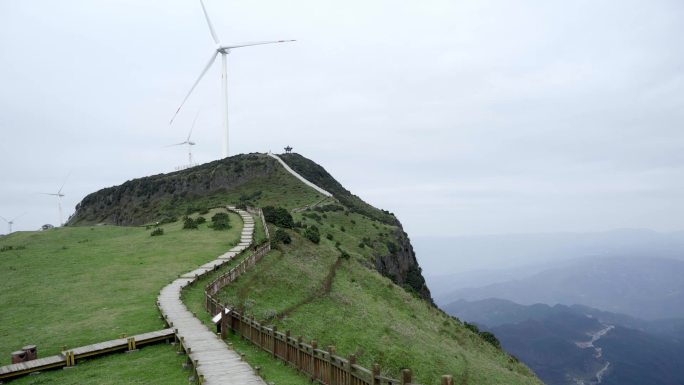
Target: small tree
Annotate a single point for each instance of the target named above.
(281, 236)
(312, 234)
(279, 216)
(157, 231)
(220, 221)
(189, 224)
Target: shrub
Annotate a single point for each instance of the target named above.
(392, 247)
(312, 234)
(329, 237)
(472, 327)
(157, 231)
(200, 220)
(343, 229)
(281, 236)
(279, 216)
(491, 338)
(189, 223)
(220, 221)
(168, 218)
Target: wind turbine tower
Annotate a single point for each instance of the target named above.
(59, 196)
(224, 50)
(189, 143)
(10, 222)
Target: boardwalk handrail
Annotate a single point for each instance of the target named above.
(321, 365)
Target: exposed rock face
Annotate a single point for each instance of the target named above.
(402, 267)
(140, 200)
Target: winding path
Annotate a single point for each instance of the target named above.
(301, 178)
(214, 361)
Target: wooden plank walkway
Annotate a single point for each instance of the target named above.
(214, 362)
(101, 348)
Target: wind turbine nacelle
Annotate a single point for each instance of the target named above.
(191, 143)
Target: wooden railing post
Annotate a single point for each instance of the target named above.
(375, 373)
(224, 322)
(287, 346)
(274, 344)
(447, 380)
(314, 368)
(405, 376)
(351, 360)
(299, 353)
(331, 367)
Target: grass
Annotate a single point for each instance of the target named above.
(365, 313)
(75, 286)
(156, 364)
(271, 370)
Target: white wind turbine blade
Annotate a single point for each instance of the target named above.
(176, 144)
(193, 126)
(3, 218)
(256, 43)
(211, 27)
(204, 71)
(15, 218)
(65, 180)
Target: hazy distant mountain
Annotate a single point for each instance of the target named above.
(579, 345)
(451, 263)
(644, 288)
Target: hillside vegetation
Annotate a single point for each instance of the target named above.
(75, 286)
(344, 273)
(330, 292)
(253, 180)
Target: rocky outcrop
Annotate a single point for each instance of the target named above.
(162, 196)
(402, 267)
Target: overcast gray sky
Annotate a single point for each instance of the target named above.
(462, 117)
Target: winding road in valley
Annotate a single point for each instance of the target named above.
(599, 354)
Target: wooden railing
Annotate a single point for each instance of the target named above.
(320, 365)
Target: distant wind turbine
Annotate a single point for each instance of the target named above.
(224, 50)
(59, 196)
(188, 141)
(10, 222)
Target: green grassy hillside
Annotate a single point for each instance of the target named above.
(75, 286)
(318, 292)
(359, 288)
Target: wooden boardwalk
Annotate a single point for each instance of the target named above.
(71, 356)
(214, 362)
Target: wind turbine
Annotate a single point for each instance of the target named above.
(59, 196)
(224, 50)
(11, 222)
(188, 141)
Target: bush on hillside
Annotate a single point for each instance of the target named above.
(189, 224)
(157, 231)
(472, 327)
(220, 221)
(279, 216)
(200, 220)
(491, 338)
(281, 236)
(311, 233)
(168, 218)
